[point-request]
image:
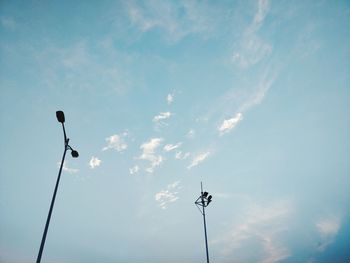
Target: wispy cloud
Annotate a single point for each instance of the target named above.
(160, 119)
(170, 98)
(176, 19)
(252, 48)
(262, 225)
(94, 162)
(198, 159)
(191, 133)
(116, 142)
(168, 195)
(162, 116)
(170, 147)
(228, 124)
(328, 228)
(257, 96)
(149, 153)
(134, 170)
(242, 100)
(182, 156)
(67, 169)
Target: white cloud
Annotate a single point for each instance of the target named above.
(262, 227)
(258, 95)
(181, 156)
(150, 146)
(149, 154)
(116, 142)
(170, 98)
(134, 170)
(237, 101)
(94, 162)
(252, 48)
(67, 169)
(229, 124)
(274, 252)
(186, 155)
(176, 19)
(191, 133)
(263, 9)
(162, 116)
(160, 119)
(328, 228)
(170, 147)
(168, 195)
(198, 159)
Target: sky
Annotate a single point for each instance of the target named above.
(252, 98)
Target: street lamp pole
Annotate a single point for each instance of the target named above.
(75, 154)
(203, 200)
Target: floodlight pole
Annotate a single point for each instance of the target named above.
(205, 224)
(66, 147)
(204, 201)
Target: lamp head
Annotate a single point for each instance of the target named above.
(60, 116)
(205, 194)
(75, 154)
(209, 200)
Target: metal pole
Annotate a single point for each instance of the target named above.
(205, 233)
(38, 260)
(205, 225)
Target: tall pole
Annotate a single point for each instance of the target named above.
(205, 225)
(204, 200)
(75, 154)
(38, 260)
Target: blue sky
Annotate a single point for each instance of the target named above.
(250, 97)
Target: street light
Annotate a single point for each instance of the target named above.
(75, 154)
(203, 200)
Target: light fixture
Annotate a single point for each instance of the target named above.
(75, 154)
(60, 116)
(209, 199)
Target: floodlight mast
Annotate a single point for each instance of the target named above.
(75, 154)
(203, 200)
